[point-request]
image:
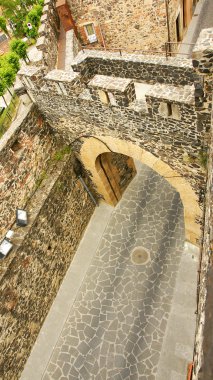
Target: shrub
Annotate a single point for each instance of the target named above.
(8, 75)
(13, 60)
(19, 47)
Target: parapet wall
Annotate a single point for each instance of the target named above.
(143, 68)
(48, 32)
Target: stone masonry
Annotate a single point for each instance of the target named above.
(132, 25)
(24, 151)
(88, 99)
(94, 97)
(31, 274)
(156, 132)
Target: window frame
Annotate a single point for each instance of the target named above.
(91, 37)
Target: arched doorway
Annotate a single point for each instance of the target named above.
(93, 147)
(116, 172)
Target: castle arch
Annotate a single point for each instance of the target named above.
(92, 148)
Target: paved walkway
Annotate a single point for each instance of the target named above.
(133, 314)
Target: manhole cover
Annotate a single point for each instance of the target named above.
(140, 256)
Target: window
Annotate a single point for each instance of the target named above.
(90, 33)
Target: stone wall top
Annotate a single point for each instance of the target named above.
(204, 42)
(110, 83)
(29, 70)
(184, 94)
(11, 134)
(154, 59)
(61, 76)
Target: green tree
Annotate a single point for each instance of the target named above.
(8, 75)
(20, 48)
(13, 60)
(9, 7)
(3, 88)
(31, 33)
(33, 17)
(13, 8)
(15, 11)
(3, 25)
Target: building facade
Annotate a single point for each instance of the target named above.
(131, 24)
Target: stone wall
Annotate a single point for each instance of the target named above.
(128, 24)
(166, 121)
(32, 273)
(47, 42)
(24, 151)
(176, 139)
(150, 69)
(203, 368)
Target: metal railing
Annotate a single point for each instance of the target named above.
(169, 52)
(166, 51)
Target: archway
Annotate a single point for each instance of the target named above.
(116, 172)
(92, 148)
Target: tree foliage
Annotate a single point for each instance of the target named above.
(19, 47)
(12, 59)
(20, 12)
(2, 87)
(17, 13)
(8, 75)
(3, 25)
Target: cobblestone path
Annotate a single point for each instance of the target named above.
(116, 327)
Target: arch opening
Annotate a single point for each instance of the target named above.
(92, 148)
(116, 171)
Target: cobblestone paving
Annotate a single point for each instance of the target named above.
(115, 329)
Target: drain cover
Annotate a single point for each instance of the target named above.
(140, 256)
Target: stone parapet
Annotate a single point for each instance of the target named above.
(114, 91)
(67, 83)
(202, 55)
(176, 94)
(47, 42)
(72, 49)
(32, 77)
(172, 102)
(145, 68)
